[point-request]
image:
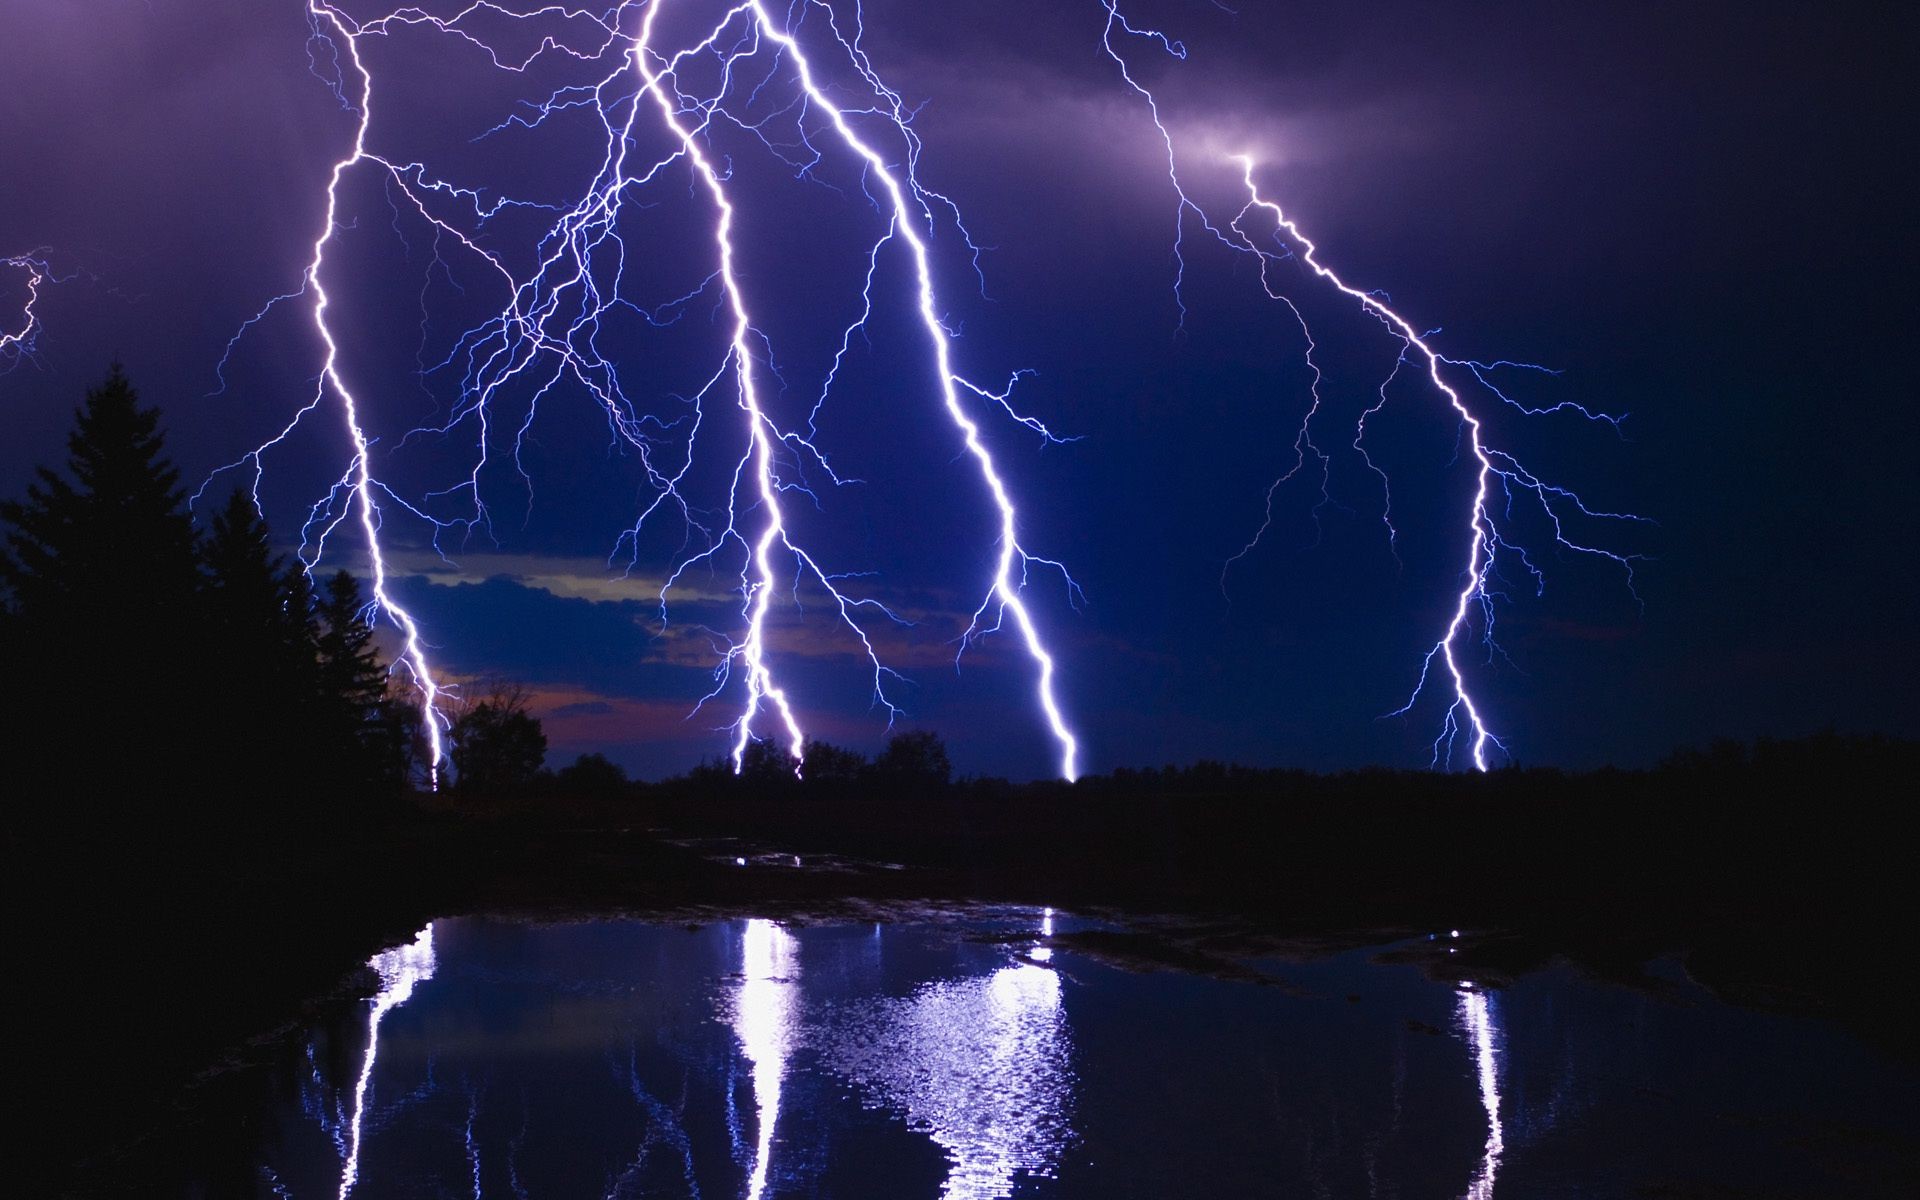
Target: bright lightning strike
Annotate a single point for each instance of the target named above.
(747, 69)
(759, 592)
(17, 342)
(1463, 716)
(748, 72)
(358, 489)
(1498, 476)
(1004, 596)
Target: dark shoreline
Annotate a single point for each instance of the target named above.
(1773, 888)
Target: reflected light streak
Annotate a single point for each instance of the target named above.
(1476, 1021)
(1042, 952)
(765, 1013)
(979, 1065)
(401, 969)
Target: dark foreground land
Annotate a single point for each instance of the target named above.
(151, 956)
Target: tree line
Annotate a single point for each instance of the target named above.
(198, 672)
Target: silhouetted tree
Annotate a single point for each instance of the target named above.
(115, 537)
(406, 755)
(498, 745)
(918, 758)
(591, 775)
(767, 764)
(259, 617)
(350, 666)
(711, 775)
(831, 766)
(245, 587)
(372, 730)
(100, 581)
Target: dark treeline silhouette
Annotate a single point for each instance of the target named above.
(1772, 869)
(914, 764)
(497, 745)
(498, 749)
(205, 761)
(912, 780)
(151, 656)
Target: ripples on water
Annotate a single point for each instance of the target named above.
(979, 1065)
(971, 1060)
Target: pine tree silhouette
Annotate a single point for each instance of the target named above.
(100, 580)
(258, 612)
(157, 664)
(370, 731)
(118, 526)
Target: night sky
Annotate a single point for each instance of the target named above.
(1699, 212)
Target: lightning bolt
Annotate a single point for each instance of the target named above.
(759, 593)
(358, 490)
(1004, 595)
(18, 343)
(1493, 468)
(549, 330)
(909, 209)
(1498, 476)
(750, 69)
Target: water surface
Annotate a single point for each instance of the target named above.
(970, 1057)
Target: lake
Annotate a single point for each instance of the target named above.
(976, 1053)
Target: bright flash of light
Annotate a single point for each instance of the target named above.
(800, 82)
(1499, 477)
(982, 1065)
(1476, 1019)
(401, 970)
(358, 490)
(765, 1015)
(760, 590)
(17, 342)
